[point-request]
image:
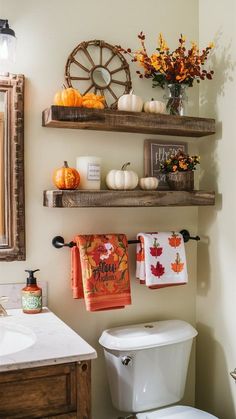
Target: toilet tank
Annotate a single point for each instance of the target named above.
(147, 363)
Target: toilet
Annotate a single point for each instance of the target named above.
(147, 367)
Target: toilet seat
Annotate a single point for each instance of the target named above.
(176, 412)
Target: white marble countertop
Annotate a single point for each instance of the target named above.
(55, 343)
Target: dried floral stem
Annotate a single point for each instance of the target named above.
(181, 66)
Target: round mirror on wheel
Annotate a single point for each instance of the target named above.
(98, 67)
(101, 77)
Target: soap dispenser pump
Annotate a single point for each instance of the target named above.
(31, 295)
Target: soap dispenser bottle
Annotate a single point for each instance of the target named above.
(31, 295)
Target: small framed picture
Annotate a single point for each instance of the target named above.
(155, 153)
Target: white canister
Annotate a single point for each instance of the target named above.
(89, 168)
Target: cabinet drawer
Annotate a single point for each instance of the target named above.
(38, 392)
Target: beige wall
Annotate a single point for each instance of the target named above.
(47, 31)
(216, 291)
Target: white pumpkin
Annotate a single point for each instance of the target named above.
(154, 106)
(148, 183)
(130, 103)
(122, 179)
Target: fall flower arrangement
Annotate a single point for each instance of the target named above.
(165, 67)
(176, 70)
(180, 162)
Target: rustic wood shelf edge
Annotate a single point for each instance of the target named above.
(136, 122)
(134, 198)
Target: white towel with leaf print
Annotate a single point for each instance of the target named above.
(161, 259)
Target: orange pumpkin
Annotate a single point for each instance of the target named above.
(94, 97)
(66, 177)
(68, 97)
(177, 266)
(90, 100)
(94, 104)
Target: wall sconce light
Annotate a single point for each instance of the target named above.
(7, 42)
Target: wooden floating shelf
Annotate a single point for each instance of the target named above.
(139, 122)
(134, 198)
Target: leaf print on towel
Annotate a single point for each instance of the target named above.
(156, 250)
(140, 257)
(174, 240)
(90, 286)
(97, 250)
(178, 266)
(93, 251)
(158, 270)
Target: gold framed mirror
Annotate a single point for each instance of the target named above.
(96, 66)
(12, 208)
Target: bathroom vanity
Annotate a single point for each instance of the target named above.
(45, 368)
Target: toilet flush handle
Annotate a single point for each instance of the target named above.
(125, 360)
(233, 374)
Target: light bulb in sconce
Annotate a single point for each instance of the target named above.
(7, 43)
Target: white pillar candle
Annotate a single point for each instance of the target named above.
(89, 168)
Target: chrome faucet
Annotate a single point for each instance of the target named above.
(3, 312)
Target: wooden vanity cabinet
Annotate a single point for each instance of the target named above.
(56, 391)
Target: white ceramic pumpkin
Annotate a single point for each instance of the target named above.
(130, 103)
(148, 183)
(154, 106)
(122, 179)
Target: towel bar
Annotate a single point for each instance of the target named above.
(58, 242)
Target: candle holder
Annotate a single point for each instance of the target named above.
(89, 168)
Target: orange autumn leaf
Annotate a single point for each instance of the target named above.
(111, 286)
(122, 265)
(119, 250)
(178, 266)
(174, 240)
(140, 255)
(100, 286)
(91, 261)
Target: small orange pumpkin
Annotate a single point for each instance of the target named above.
(66, 177)
(68, 97)
(90, 100)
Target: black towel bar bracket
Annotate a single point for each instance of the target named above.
(58, 242)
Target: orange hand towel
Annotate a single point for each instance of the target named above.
(76, 274)
(100, 271)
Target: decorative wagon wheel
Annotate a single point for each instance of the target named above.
(98, 67)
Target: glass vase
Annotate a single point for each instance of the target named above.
(176, 99)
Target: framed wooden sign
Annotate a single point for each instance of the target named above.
(155, 153)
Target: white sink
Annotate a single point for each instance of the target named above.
(14, 337)
(35, 340)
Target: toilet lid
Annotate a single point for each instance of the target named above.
(176, 412)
